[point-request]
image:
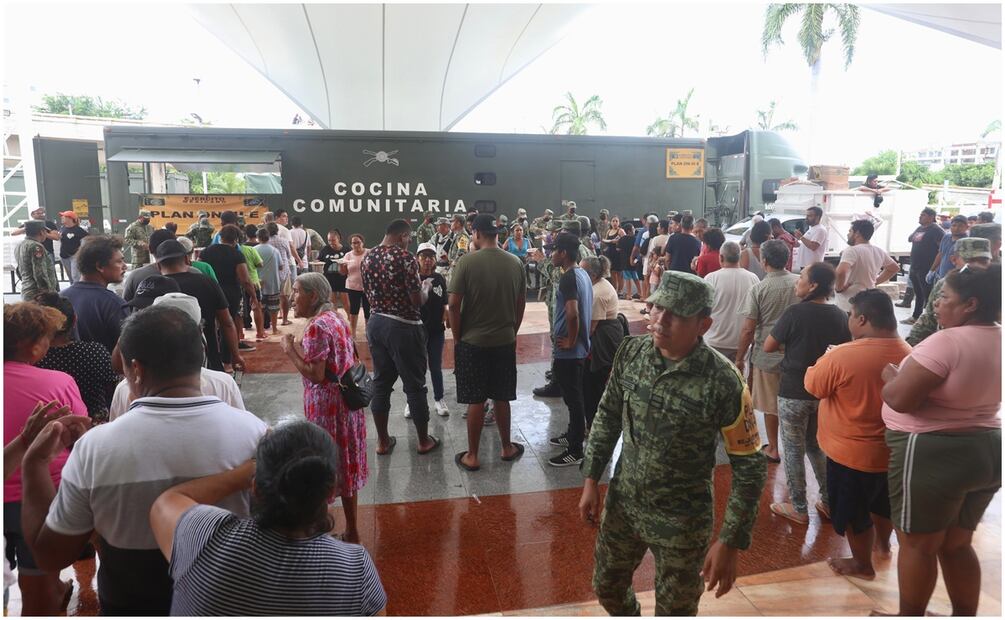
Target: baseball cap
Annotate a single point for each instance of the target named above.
(991, 232)
(521, 212)
(604, 212)
(959, 219)
(426, 247)
(186, 303)
(486, 223)
(170, 248)
(549, 212)
(969, 248)
(442, 220)
(652, 219)
(144, 213)
(186, 243)
(564, 241)
(151, 288)
(69, 214)
(459, 217)
(683, 294)
(571, 204)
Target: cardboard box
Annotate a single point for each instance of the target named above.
(830, 177)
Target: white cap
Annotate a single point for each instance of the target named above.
(757, 218)
(426, 246)
(186, 243)
(652, 219)
(186, 303)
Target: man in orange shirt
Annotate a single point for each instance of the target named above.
(847, 380)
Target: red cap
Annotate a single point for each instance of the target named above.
(68, 214)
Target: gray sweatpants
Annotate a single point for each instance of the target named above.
(398, 350)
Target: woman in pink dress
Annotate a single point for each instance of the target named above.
(325, 354)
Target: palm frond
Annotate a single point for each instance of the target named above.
(774, 20)
(811, 32)
(848, 22)
(786, 126)
(992, 127)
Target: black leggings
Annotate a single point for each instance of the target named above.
(357, 298)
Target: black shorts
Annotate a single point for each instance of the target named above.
(17, 551)
(484, 372)
(854, 496)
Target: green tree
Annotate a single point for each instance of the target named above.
(812, 37)
(913, 173)
(884, 163)
(766, 121)
(575, 120)
(85, 105)
(218, 182)
(969, 175)
(677, 122)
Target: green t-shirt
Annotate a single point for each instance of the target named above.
(490, 281)
(206, 268)
(254, 260)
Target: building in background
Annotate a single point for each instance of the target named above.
(936, 158)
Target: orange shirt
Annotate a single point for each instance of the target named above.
(847, 380)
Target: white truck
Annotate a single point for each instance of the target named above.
(895, 219)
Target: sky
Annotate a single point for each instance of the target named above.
(908, 86)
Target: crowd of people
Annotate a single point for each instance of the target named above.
(220, 516)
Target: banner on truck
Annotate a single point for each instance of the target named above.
(81, 208)
(685, 163)
(183, 209)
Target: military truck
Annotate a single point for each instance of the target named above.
(357, 181)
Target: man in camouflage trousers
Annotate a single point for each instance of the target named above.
(137, 239)
(459, 242)
(539, 227)
(426, 230)
(976, 253)
(201, 233)
(669, 397)
(38, 272)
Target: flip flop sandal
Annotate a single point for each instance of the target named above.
(393, 441)
(786, 511)
(771, 459)
(823, 510)
(436, 444)
(67, 596)
(458, 458)
(519, 452)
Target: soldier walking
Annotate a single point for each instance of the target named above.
(38, 272)
(137, 239)
(669, 397)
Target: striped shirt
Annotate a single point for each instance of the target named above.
(226, 566)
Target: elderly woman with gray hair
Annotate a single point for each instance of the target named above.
(606, 333)
(326, 352)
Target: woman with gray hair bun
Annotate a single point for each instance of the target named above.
(326, 352)
(606, 333)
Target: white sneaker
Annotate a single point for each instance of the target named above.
(408, 413)
(441, 408)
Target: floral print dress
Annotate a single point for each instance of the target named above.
(327, 337)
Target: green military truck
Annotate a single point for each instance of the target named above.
(357, 181)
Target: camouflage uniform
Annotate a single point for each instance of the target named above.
(201, 233)
(137, 239)
(38, 273)
(539, 227)
(317, 242)
(968, 248)
(669, 415)
(459, 244)
(603, 225)
(425, 232)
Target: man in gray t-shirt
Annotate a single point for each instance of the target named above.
(488, 289)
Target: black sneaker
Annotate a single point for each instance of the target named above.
(562, 441)
(565, 459)
(244, 346)
(552, 389)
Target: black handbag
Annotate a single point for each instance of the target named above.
(356, 384)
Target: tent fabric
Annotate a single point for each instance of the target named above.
(981, 23)
(388, 66)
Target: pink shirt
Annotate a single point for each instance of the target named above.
(354, 281)
(970, 360)
(23, 387)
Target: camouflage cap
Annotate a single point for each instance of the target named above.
(992, 232)
(460, 217)
(503, 219)
(572, 226)
(969, 248)
(521, 212)
(204, 214)
(443, 220)
(604, 212)
(584, 225)
(683, 294)
(549, 212)
(144, 213)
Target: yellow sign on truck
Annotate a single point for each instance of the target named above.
(685, 163)
(183, 209)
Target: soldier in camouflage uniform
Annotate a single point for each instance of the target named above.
(976, 252)
(668, 398)
(604, 223)
(570, 211)
(426, 230)
(38, 272)
(201, 233)
(459, 242)
(539, 227)
(137, 239)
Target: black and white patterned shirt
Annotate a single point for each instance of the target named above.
(90, 365)
(226, 566)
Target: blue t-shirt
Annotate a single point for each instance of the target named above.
(99, 311)
(519, 251)
(946, 247)
(574, 284)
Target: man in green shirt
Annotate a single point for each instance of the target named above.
(488, 294)
(669, 397)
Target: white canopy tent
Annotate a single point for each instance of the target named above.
(387, 66)
(981, 23)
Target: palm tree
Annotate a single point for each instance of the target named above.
(812, 36)
(676, 123)
(993, 127)
(765, 118)
(575, 120)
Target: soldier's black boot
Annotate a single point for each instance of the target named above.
(550, 389)
(908, 298)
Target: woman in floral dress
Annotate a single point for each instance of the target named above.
(324, 354)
